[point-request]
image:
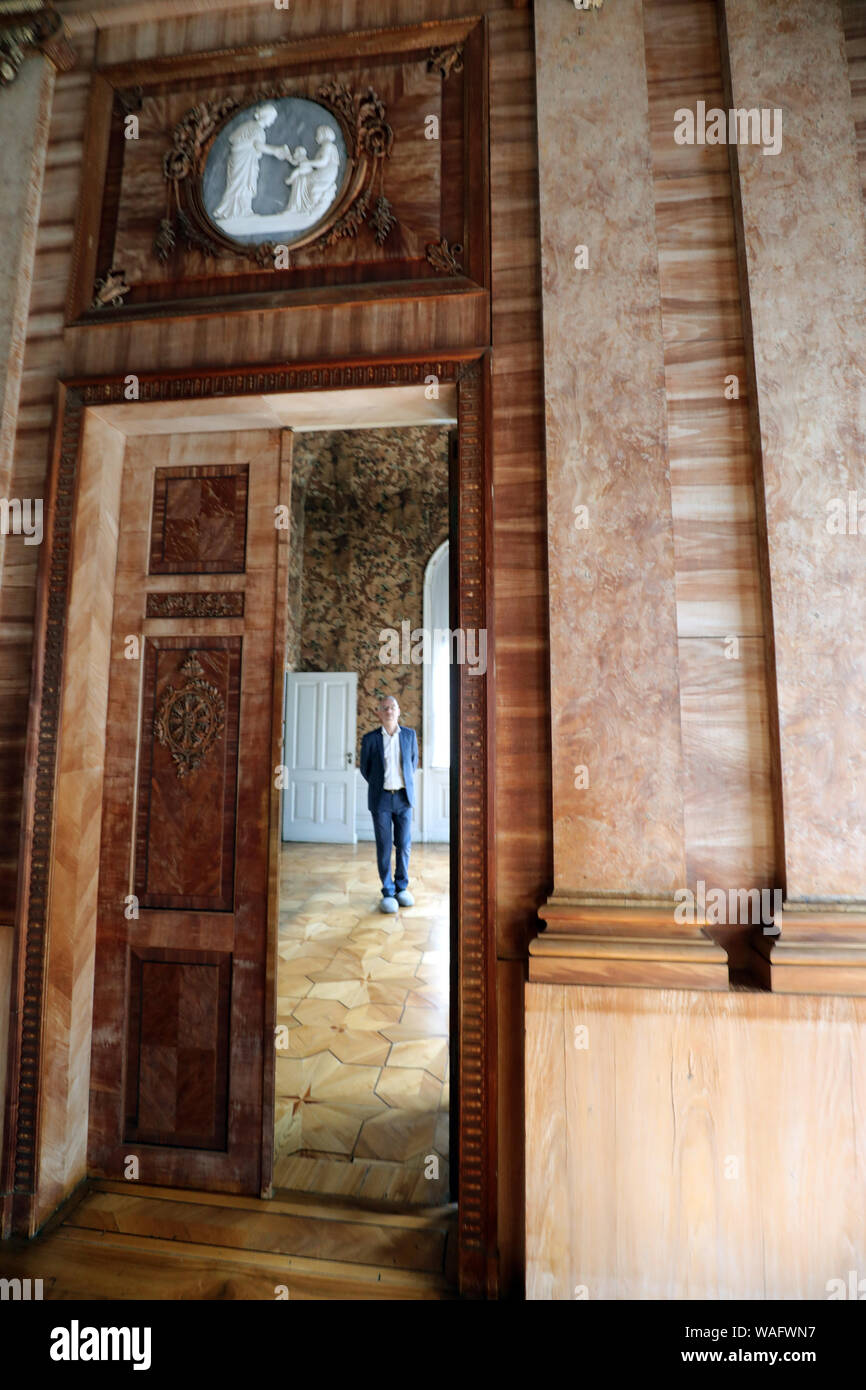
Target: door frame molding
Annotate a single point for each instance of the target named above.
(473, 1040)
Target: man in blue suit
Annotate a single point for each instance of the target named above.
(389, 757)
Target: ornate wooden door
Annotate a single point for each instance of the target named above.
(181, 1075)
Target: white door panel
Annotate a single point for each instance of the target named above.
(319, 752)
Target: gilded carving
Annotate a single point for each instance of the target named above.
(445, 258)
(190, 720)
(446, 60)
(110, 290)
(195, 605)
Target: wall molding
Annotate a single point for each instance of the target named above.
(624, 941)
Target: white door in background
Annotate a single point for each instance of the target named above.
(437, 699)
(319, 752)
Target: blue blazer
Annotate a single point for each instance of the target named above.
(373, 764)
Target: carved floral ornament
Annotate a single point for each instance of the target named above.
(228, 188)
(190, 719)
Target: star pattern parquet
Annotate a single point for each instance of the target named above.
(362, 1080)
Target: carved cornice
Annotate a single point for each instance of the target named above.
(27, 29)
(243, 381)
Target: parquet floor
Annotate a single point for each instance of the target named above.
(117, 1241)
(362, 1069)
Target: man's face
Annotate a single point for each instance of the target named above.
(389, 713)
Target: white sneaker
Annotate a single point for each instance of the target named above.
(388, 905)
(405, 898)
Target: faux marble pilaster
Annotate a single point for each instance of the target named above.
(618, 825)
(804, 240)
(25, 109)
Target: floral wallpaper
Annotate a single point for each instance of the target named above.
(369, 507)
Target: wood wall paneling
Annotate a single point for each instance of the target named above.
(363, 326)
(653, 1121)
(724, 699)
(811, 398)
(117, 226)
(617, 742)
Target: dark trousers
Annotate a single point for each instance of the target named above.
(392, 822)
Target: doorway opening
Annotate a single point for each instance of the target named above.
(194, 951)
(362, 1071)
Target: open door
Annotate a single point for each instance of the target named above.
(182, 1038)
(320, 724)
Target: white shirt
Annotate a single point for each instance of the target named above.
(393, 760)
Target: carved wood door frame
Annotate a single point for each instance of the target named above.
(473, 1040)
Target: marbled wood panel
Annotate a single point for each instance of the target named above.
(185, 831)
(729, 828)
(632, 1141)
(239, 1169)
(523, 829)
(411, 180)
(72, 903)
(854, 23)
(730, 840)
(176, 1079)
(523, 820)
(807, 287)
(199, 521)
(614, 692)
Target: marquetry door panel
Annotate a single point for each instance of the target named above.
(182, 1019)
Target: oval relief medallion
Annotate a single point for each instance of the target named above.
(274, 171)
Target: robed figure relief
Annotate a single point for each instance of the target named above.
(314, 182)
(248, 144)
(252, 200)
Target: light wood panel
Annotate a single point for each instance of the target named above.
(724, 703)
(693, 1146)
(78, 816)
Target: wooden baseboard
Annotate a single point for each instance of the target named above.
(819, 949)
(624, 941)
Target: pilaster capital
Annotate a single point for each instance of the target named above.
(31, 28)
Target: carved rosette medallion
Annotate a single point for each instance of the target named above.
(279, 170)
(190, 719)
